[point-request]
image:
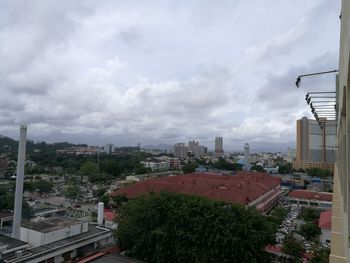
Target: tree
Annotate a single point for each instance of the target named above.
(317, 172)
(321, 255)
(88, 168)
(105, 200)
(168, 227)
(41, 186)
(285, 168)
(310, 214)
(257, 168)
(71, 191)
(293, 247)
(310, 231)
(118, 200)
(189, 167)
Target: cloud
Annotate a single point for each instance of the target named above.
(164, 71)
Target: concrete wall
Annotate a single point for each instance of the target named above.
(340, 219)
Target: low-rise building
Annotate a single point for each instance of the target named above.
(56, 240)
(156, 165)
(247, 188)
(308, 198)
(325, 223)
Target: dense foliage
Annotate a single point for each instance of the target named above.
(7, 203)
(168, 227)
(225, 165)
(317, 172)
(293, 247)
(310, 214)
(310, 231)
(321, 255)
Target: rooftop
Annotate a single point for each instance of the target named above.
(10, 242)
(241, 188)
(325, 220)
(50, 224)
(37, 252)
(311, 195)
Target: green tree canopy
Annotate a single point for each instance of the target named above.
(225, 165)
(317, 172)
(321, 255)
(257, 168)
(310, 231)
(71, 191)
(88, 168)
(168, 227)
(41, 186)
(293, 247)
(189, 167)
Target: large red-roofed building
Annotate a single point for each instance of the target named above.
(246, 188)
(311, 198)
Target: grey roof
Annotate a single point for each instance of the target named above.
(49, 224)
(115, 258)
(58, 245)
(11, 242)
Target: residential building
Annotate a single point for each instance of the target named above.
(156, 165)
(313, 143)
(219, 145)
(247, 188)
(195, 149)
(180, 150)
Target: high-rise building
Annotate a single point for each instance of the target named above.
(313, 143)
(196, 149)
(180, 150)
(108, 148)
(219, 148)
(246, 157)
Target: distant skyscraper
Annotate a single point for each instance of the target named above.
(219, 148)
(196, 149)
(180, 150)
(108, 148)
(246, 157)
(313, 143)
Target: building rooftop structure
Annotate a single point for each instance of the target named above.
(54, 249)
(311, 195)
(242, 188)
(325, 220)
(49, 224)
(7, 244)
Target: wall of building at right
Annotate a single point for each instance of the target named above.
(340, 219)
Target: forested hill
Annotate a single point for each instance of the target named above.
(9, 145)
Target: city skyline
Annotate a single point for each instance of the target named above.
(118, 72)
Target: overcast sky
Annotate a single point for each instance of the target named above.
(163, 71)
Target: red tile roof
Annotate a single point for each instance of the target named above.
(241, 188)
(325, 220)
(311, 195)
(109, 216)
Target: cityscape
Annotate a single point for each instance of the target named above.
(174, 132)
